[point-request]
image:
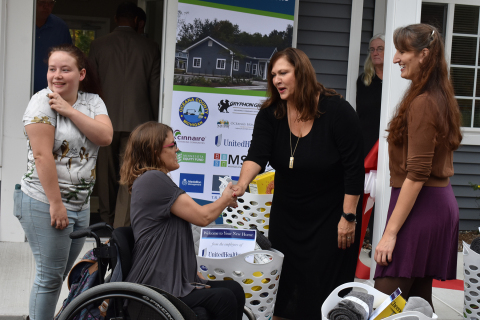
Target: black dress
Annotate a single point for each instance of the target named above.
(369, 105)
(308, 202)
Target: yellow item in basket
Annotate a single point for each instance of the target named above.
(396, 306)
(263, 183)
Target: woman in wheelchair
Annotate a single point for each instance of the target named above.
(161, 214)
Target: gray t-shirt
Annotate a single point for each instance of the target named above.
(163, 255)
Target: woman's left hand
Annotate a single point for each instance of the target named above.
(58, 104)
(384, 250)
(346, 233)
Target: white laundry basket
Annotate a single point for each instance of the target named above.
(259, 281)
(471, 274)
(253, 209)
(378, 296)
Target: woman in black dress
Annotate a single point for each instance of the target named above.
(311, 136)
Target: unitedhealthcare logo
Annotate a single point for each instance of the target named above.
(231, 143)
(218, 140)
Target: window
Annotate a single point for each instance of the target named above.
(464, 55)
(82, 39)
(221, 64)
(254, 69)
(210, 43)
(197, 62)
(236, 65)
(464, 63)
(247, 67)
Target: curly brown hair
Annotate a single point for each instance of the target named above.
(143, 151)
(307, 88)
(431, 78)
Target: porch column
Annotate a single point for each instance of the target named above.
(266, 70)
(399, 13)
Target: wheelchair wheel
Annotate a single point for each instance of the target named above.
(126, 301)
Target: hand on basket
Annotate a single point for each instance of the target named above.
(230, 195)
(384, 250)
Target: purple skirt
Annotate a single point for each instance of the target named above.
(427, 243)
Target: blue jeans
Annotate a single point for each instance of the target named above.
(53, 250)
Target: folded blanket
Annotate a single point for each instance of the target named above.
(354, 306)
(420, 305)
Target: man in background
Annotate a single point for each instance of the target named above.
(128, 65)
(50, 31)
(141, 21)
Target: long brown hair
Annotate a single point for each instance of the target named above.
(307, 88)
(90, 83)
(431, 78)
(143, 151)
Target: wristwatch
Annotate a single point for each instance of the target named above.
(350, 217)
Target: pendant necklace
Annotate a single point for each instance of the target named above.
(292, 152)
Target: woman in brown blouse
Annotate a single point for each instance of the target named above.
(420, 239)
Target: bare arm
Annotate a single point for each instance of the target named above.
(406, 200)
(249, 171)
(98, 130)
(346, 230)
(187, 209)
(41, 138)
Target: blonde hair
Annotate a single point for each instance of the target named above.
(369, 69)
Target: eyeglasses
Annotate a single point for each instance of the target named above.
(379, 50)
(174, 144)
(46, 3)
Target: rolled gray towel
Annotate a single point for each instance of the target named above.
(418, 304)
(354, 306)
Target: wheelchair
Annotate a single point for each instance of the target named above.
(123, 300)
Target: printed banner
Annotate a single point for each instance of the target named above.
(225, 243)
(222, 55)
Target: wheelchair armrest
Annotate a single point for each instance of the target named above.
(248, 313)
(87, 232)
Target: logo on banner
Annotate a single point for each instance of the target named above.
(223, 106)
(239, 107)
(228, 160)
(223, 124)
(218, 140)
(188, 139)
(216, 185)
(231, 143)
(242, 125)
(193, 183)
(193, 112)
(191, 157)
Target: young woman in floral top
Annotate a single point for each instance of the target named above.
(65, 124)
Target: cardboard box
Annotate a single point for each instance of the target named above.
(263, 183)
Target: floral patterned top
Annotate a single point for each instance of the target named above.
(75, 155)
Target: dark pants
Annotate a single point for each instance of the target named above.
(223, 301)
(114, 199)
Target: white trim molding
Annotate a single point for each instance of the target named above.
(399, 13)
(354, 51)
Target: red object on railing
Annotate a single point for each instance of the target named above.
(370, 163)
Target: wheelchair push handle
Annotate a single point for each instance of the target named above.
(87, 232)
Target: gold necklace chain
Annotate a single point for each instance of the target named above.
(298, 139)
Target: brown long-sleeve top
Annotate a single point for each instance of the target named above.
(423, 154)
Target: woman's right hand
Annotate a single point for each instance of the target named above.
(58, 215)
